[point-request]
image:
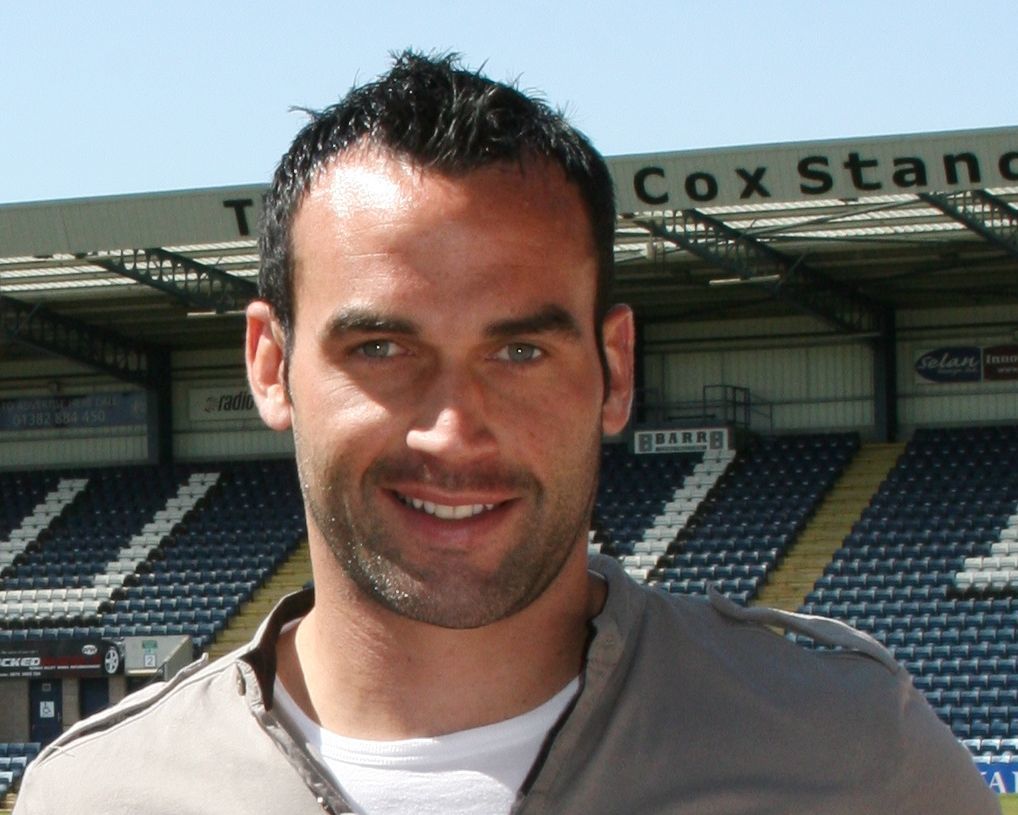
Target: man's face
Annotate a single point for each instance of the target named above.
(443, 384)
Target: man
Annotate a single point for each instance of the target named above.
(435, 330)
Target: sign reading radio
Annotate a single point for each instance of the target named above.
(222, 403)
(846, 168)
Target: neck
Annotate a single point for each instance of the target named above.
(361, 670)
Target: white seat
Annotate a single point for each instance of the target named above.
(1000, 578)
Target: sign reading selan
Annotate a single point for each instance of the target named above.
(956, 364)
(846, 168)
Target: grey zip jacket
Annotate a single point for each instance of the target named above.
(686, 706)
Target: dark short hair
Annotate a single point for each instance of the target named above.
(443, 118)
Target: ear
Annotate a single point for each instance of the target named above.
(265, 354)
(619, 337)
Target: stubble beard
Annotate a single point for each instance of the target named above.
(449, 591)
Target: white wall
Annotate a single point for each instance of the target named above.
(817, 381)
(810, 379)
(201, 432)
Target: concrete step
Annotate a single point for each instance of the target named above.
(804, 563)
(290, 577)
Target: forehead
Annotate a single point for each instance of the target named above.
(370, 212)
(368, 179)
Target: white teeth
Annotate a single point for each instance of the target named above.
(447, 513)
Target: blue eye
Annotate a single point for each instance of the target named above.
(379, 349)
(520, 352)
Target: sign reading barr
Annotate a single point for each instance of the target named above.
(682, 440)
(847, 168)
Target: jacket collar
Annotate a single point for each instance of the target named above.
(623, 606)
(260, 653)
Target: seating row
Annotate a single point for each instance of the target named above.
(192, 536)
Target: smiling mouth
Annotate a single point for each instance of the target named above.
(446, 512)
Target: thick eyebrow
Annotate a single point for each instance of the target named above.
(368, 321)
(551, 319)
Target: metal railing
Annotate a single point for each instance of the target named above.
(719, 404)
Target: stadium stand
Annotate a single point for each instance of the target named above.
(927, 571)
(690, 521)
(643, 502)
(929, 568)
(142, 550)
(14, 759)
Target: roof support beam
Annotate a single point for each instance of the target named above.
(989, 217)
(753, 261)
(197, 285)
(39, 327)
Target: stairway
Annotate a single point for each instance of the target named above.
(292, 575)
(804, 563)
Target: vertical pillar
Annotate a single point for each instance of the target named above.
(159, 401)
(885, 378)
(118, 688)
(72, 703)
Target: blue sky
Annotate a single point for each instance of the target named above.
(111, 97)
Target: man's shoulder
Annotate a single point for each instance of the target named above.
(158, 699)
(714, 620)
(792, 711)
(766, 629)
(727, 658)
(136, 743)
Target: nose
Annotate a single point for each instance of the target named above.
(452, 421)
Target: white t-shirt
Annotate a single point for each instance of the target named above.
(472, 772)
